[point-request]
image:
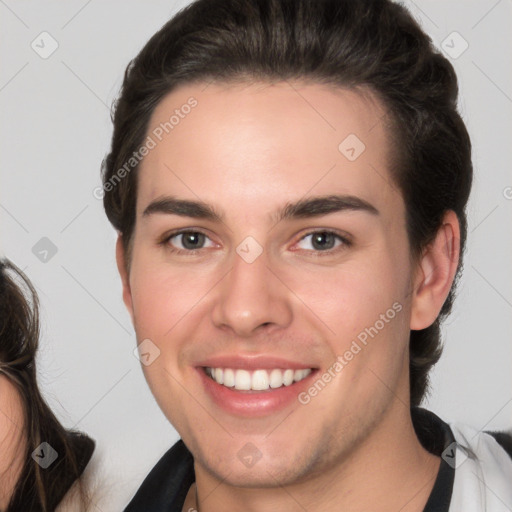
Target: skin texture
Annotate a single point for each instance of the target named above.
(248, 150)
(12, 439)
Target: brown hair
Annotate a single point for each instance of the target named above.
(365, 43)
(37, 489)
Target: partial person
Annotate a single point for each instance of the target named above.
(42, 464)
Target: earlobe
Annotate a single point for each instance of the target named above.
(435, 274)
(123, 272)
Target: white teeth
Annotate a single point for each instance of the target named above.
(276, 379)
(229, 378)
(300, 374)
(242, 380)
(258, 380)
(288, 377)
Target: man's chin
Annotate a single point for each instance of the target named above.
(262, 475)
(253, 466)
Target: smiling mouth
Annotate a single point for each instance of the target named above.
(257, 380)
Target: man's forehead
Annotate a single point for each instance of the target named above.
(233, 95)
(238, 154)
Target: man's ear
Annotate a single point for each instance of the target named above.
(123, 272)
(435, 273)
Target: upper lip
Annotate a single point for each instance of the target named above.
(252, 362)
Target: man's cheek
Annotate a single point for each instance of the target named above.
(370, 340)
(159, 307)
(167, 388)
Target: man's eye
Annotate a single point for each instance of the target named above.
(323, 241)
(187, 241)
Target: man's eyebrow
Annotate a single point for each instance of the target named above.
(184, 208)
(304, 208)
(323, 205)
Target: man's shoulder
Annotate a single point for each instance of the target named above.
(472, 462)
(436, 434)
(167, 484)
(483, 469)
(504, 439)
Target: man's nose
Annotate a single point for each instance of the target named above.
(251, 296)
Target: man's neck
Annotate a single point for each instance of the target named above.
(389, 471)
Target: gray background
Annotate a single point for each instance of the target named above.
(56, 129)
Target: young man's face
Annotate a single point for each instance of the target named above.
(260, 293)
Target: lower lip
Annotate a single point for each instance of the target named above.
(253, 403)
